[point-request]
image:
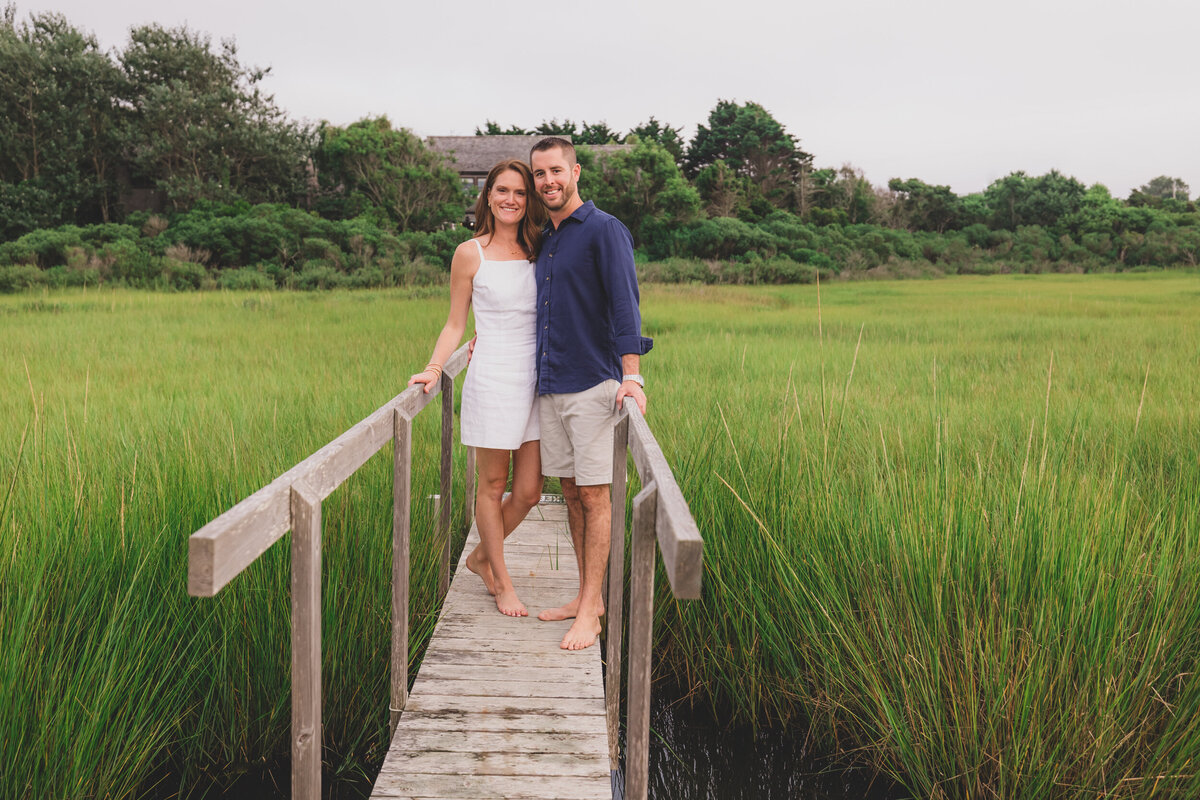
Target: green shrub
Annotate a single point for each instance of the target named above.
(183, 275)
(319, 274)
(17, 277)
(244, 279)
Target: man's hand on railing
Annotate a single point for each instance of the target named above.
(631, 389)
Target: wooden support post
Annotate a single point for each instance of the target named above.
(447, 501)
(641, 628)
(306, 642)
(401, 549)
(615, 592)
(469, 490)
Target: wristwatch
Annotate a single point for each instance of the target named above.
(638, 379)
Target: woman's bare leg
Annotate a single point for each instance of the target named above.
(526, 493)
(491, 518)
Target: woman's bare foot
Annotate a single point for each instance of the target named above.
(567, 611)
(509, 604)
(477, 564)
(582, 634)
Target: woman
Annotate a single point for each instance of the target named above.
(494, 272)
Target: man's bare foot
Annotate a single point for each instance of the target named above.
(509, 604)
(482, 568)
(582, 634)
(567, 611)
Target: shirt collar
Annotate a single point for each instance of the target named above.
(578, 215)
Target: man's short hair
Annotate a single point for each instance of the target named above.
(551, 142)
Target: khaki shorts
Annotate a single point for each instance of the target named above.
(577, 434)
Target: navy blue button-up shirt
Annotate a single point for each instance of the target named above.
(587, 300)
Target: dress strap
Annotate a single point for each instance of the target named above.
(479, 247)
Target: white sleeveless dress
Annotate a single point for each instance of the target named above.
(499, 394)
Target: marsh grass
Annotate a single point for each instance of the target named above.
(969, 563)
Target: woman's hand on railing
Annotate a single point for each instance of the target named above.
(428, 377)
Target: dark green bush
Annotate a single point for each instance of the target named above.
(18, 277)
(244, 279)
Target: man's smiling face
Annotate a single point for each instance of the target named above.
(555, 178)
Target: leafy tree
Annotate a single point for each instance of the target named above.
(556, 128)
(1018, 199)
(724, 192)
(201, 128)
(755, 145)
(391, 169)
(598, 133)
(493, 129)
(1164, 187)
(925, 207)
(58, 123)
(641, 187)
(846, 190)
(654, 131)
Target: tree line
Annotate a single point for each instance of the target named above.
(165, 164)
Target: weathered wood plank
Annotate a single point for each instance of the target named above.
(504, 706)
(401, 549)
(447, 476)
(531, 688)
(305, 514)
(678, 537)
(231, 542)
(486, 762)
(497, 698)
(445, 787)
(641, 616)
(546, 721)
(615, 596)
(509, 673)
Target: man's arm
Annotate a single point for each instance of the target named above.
(630, 365)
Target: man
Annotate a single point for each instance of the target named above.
(589, 351)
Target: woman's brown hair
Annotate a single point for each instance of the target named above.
(529, 231)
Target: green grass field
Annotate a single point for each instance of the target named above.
(951, 527)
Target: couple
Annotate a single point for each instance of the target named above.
(558, 348)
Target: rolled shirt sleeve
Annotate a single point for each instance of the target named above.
(614, 248)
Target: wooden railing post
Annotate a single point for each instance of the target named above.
(401, 549)
(469, 490)
(306, 642)
(641, 628)
(447, 504)
(615, 594)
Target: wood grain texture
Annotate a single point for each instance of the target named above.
(231, 542)
(641, 617)
(305, 513)
(498, 709)
(678, 537)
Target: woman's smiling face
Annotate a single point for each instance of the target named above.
(507, 197)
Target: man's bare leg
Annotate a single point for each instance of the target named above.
(597, 512)
(526, 493)
(575, 523)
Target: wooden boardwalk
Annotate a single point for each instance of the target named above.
(498, 710)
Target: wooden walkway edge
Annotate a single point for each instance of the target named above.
(498, 709)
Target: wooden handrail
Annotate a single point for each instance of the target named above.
(224, 547)
(220, 550)
(659, 514)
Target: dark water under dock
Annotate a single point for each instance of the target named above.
(695, 757)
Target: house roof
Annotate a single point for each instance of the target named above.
(481, 153)
(478, 154)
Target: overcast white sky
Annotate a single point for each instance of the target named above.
(955, 92)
